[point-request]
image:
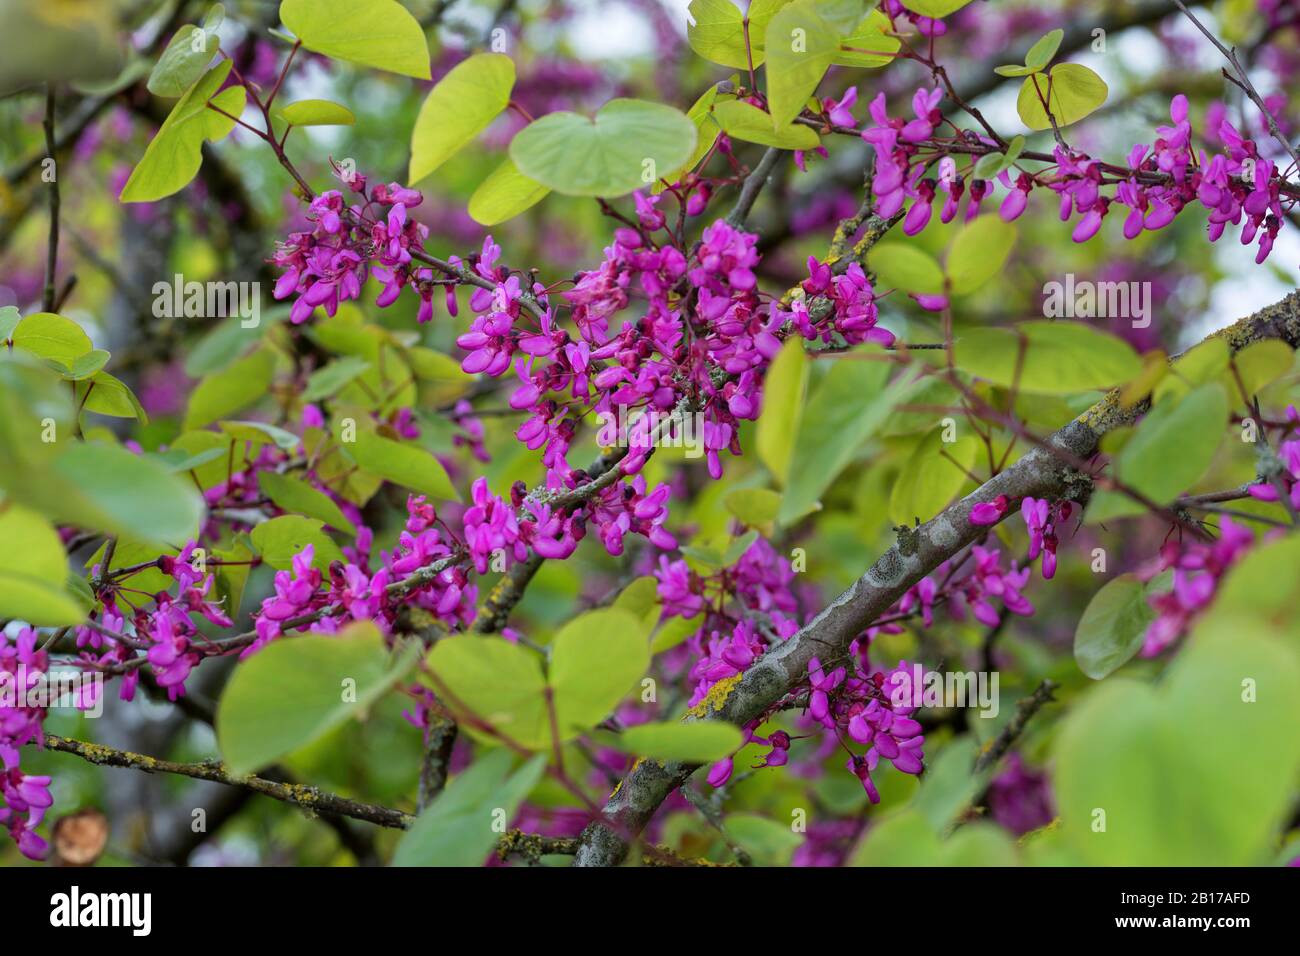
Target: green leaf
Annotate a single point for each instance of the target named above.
(993, 163)
(87, 365)
(31, 397)
(33, 571)
(841, 15)
(904, 266)
(737, 548)
(279, 540)
(9, 319)
(716, 32)
(109, 489)
(495, 682)
(262, 433)
(1168, 452)
(296, 689)
(845, 409)
(1112, 627)
(740, 120)
(378, 33)
(1013, 69)
(52, 336)
(107, 395)
(672, 632)
(1250, 591)
(232, 456)
(294, 495)
(706, 133)
(640, 597)
(459, 828)
(989, 165)
(504, 194)
(900, 839)
(1075, 92)
(596, 658)
(868, 35)
(936, 473)
(174, 155)
(403, 464)
(979, 253)
(628, 145)
(1192, 773)
(1041, 53)
(187, 56)
(317, 113)
(328, 379)
(783, 398)
(129, 552)
(935, 8)
(754, 507)
(232, 574)
(1202, 363)
(1259, 364)
(950, 785)
(1059, 358)
(227, 342)
(458, 108)
(687, 741)
(231, 389)
(800, 48)
(768, 841)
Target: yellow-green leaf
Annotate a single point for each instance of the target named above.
(504, 194)
(378, 33)
(1075, 92)
(458, 108)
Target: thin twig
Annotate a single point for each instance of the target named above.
(1025, 711)
(48, 299)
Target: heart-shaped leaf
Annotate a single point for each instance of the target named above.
(628, 145)
(1075, 92)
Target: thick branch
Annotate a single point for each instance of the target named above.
(747, 696)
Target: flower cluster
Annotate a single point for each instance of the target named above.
(874, 709)
(23, 797)
(1197, 568)
(1019, 798)
(328, 264)
(1238, 186)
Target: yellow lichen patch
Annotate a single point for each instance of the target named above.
(619, 786)
(716, 697)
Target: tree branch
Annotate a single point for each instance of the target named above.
(746, 697)
(52, 251)
(1025, 711)
(300, 795)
